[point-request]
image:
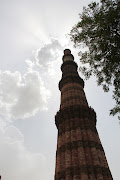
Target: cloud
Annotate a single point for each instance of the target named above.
(30, 64)
(22, 96)
(16, 162)
(47, 54)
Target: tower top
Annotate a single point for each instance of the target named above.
(67, 55)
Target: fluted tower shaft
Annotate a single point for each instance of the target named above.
(79, 155)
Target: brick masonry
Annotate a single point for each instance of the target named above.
(79, 155)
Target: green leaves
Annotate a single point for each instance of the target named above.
(99, 30)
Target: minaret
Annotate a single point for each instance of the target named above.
(79, 155)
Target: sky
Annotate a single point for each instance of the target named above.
(33, 35)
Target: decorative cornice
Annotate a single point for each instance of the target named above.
(73, 112)
(66, 63)
(84, 169)
(80, 143)
(70, 79)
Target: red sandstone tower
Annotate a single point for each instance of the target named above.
(80, 155)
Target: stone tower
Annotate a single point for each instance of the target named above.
(79, 155)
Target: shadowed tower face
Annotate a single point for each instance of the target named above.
(79, 155)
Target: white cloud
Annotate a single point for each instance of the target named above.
(30, 64)
(22, 96)
(16, 162)
(45, 55)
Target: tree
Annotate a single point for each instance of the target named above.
(99, 31)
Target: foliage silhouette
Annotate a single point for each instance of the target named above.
(99, 31)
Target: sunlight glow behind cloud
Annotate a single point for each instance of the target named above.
(48, 53)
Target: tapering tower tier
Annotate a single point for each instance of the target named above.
(79, 155)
